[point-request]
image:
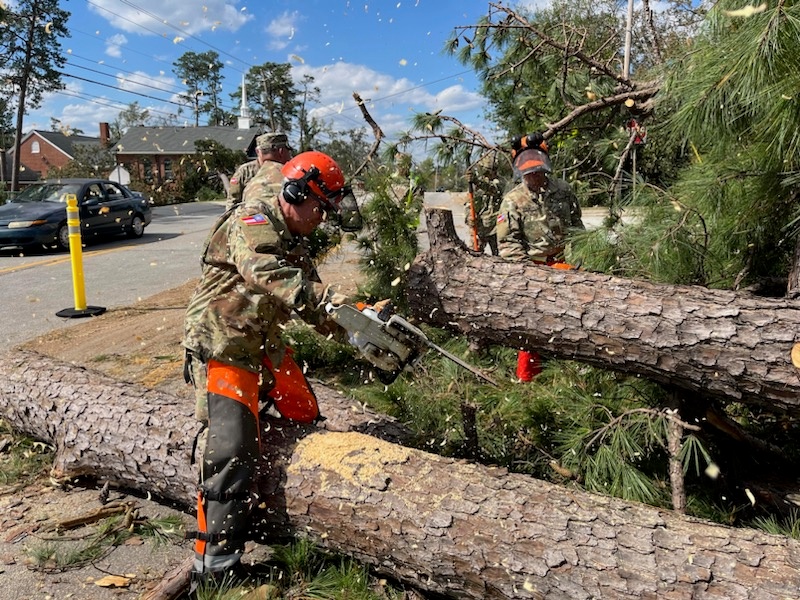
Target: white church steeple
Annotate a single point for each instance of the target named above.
(244, 111)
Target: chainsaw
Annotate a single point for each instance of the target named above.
(388, 341)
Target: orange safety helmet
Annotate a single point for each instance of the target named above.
(532, 160)
(316, 173)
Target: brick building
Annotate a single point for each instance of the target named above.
(158, 155)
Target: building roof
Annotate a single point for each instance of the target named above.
(65, 143)
(26, 174)
(180, 140)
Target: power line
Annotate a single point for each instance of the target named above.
(186, 33)
(110, 103)
(176, 91)
(323, 112)
(119, 89)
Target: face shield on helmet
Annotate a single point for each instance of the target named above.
(532, 161)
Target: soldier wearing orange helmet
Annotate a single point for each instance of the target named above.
(256, 275)
(534, 222)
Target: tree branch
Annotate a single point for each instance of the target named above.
(376, 130)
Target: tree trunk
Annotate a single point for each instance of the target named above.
(728, 345)
(442, 525)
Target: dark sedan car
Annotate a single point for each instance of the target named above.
(38, 215)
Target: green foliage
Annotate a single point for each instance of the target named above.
(32, 58)
(22, 459)
(132, 116)
(789, 526)
(201, 74)
(201, 174)
(89, 160)
(389, 240)
(60, 552)
(272, 96)
(347, 147)
(301, 571)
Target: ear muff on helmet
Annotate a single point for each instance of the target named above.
(316, 174)
(295, 191)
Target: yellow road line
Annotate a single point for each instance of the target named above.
(58, 260)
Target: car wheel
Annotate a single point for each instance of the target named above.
(62, 239)
(136, 228)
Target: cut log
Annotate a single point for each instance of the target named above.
(714, 343)
(441, 525)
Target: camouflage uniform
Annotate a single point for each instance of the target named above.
(255, 274)
(270, 170)
(487, 195)
(535, 226)
(267, 142)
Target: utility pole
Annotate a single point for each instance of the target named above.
(626, 67)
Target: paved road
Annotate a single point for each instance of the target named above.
(116, 273)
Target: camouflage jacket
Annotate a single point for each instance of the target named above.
(487, 195)
(246, 172)
(255, 275)
(535, 226)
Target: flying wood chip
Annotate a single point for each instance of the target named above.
(796, 355)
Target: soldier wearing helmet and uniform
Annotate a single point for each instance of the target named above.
(487, 195)
(534, 221)
(272, 152)
(256, 275)
(536, 216)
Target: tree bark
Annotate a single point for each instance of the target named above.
(714, 343)
(442, 525)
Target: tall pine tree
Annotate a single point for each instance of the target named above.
(31, 55)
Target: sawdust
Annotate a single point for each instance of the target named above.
(355, 457)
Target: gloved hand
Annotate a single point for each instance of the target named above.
(381, 304)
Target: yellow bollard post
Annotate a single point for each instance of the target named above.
(76, 259)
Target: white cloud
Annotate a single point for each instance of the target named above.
(114, 45)
(192, 17)
(282, 29)
(139, 81)
(390, 101)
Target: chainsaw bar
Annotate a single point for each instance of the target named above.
(474, 370)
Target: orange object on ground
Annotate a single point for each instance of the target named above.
(529, 365)
(292, 395)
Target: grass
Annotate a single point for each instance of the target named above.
(73, 550)
(22, 459)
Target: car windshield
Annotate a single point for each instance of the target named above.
(47, 192)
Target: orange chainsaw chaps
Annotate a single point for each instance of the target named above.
(292, 395)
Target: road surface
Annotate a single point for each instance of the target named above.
(116, 273)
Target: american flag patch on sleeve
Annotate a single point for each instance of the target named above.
(501, 217)
(254, 220)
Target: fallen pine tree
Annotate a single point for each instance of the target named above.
(716, 344)
(442, 525)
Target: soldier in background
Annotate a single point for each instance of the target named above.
(534, 221)
(487, 195)
(272, 152)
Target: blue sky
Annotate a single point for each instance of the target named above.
(389, 51)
